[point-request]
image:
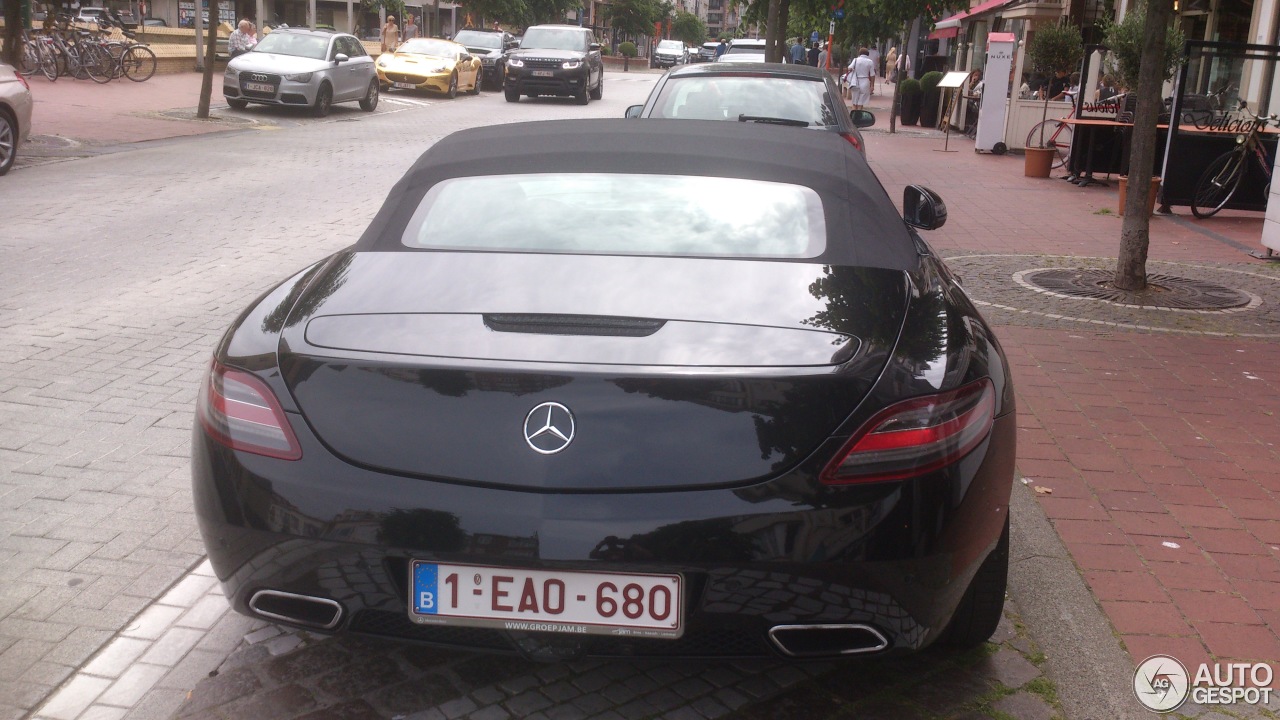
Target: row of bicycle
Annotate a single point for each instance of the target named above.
(67, 50)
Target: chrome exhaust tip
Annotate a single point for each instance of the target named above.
(813, 641)
(305, 610)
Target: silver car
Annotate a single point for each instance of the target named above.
(302, 68)
(15, 115)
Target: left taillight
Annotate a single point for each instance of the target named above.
(853, 139)
(240, 411)
(22, 80)
(916, 436)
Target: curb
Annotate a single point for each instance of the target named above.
(1084, 658)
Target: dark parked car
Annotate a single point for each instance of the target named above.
(707, 53)
(794, 95)
(619, 388)
(561, 60)
(491, 47)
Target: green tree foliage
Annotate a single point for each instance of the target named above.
(627, 49)
(634, 17)
(393, 7)
(1124, 40)
(689, 29)
(537, 12)
(1056, 48)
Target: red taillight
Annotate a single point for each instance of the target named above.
(853, 140)
(916, 436)
(22, 80)
(240, 411)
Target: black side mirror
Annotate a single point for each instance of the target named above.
(862, 118)
(923, 208)
(634, 111)
(595, 46)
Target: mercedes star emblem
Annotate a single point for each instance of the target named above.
(548, 428)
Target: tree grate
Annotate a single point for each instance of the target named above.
(1163, 291)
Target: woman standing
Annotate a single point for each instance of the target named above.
(390, 35)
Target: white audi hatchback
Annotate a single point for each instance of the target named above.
(15, 114)
(302, 68)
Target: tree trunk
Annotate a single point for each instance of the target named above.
(780, 40)
(13, 33)
(771, 33)
(1135, 232)
(210, 59)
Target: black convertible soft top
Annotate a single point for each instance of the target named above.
(864, 229)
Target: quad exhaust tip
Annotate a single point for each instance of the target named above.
(305, 610)
(812, 641)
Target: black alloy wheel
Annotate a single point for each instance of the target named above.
(475, 86)
(453, 85)
(324, 101)
(369, 102)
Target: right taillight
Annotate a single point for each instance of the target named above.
(240, 411)
(916, 436)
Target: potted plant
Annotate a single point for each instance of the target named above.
(627, 50)
(1053, 49)
(1124, 57)
(910, 91)
(930, 98)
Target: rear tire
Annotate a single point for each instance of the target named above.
(8, 141)
(139, 63)
(324, 101)
(512, 94)
(1217, 184)
(369, 102)
(982, 606)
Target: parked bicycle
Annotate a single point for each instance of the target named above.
(1222, 178)
(1057, 135)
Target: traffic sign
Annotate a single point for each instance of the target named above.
(814, 36)
(838, 14)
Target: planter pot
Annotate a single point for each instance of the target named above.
(1038, 162)
(910, 109)
(1151, 198)
(929, 109)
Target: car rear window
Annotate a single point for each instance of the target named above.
(620, 214)
(728, 97)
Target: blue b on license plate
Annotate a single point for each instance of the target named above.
(632, 604)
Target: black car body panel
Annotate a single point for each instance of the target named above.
(491, 46)
(759, 539)
(541, 71)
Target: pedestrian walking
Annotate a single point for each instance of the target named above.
(891, 64)
(722, 48)
(862, 71)
(241, 39)
(797, 53)
(823, 55)
(410, 28)
(874, 54)
(813, 55)
(390, 35)
(902, 68)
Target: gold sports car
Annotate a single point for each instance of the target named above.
(430, 64)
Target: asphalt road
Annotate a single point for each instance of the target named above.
(120, 273)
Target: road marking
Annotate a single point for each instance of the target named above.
(407, 101)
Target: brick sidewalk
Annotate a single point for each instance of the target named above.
(1156, 451)
(120, 111)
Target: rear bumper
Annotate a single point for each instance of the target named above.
(894, 556)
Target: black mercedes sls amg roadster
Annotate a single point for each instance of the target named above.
(604, 387)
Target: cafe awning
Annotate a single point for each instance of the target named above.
(981, 9)
(944, 33)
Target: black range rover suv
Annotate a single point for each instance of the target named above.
(561, 60)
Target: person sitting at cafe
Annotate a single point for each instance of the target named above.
(1070, 92)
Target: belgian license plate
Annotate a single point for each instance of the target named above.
(631, 604)
(404, 86)
(260, 87)
(543, 73)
